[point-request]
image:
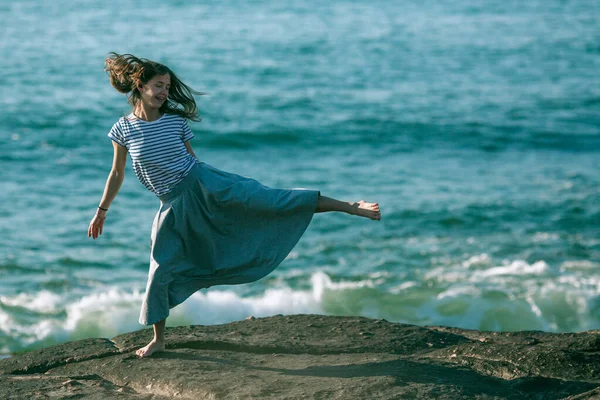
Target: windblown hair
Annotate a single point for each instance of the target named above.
(127, 72)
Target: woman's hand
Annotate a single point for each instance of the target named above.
(96, 224)
(113, 183)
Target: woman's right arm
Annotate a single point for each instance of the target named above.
(113, 184)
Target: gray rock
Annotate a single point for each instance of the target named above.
(313, 357)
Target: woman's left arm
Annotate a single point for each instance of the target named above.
(189, 149)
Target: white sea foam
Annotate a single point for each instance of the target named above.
(518, 267)
(114, 311)
(545, 237)
(456, 291)
(583, 265)
(26, 334)
(403, 286)
(379, 274)
(480, 268)
(321, 282)
(536, 310)
(222, 306)
(480, 260)
(110, 312)
(480, 299)
(43, 301)
(5, 321)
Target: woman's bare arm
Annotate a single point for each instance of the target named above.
(113, 184)
(188, 147)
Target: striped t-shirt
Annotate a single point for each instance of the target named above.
(157, 150)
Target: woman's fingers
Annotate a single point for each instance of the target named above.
(95, 228)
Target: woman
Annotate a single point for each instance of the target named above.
(213, 227)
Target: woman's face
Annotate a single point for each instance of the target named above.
(155, 92)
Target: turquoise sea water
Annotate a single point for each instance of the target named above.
(475, 125)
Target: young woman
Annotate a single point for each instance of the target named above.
(213, 227)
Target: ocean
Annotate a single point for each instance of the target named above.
(474, 124)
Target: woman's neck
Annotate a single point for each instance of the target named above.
(146, 113)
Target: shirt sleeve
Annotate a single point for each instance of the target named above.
(116, 134)
(186, 132)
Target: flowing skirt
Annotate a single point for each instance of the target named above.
(219, 228)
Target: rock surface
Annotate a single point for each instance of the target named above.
(313, 357)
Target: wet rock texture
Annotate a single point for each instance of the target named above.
(313, 357)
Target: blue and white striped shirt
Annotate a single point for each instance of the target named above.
(157, 150)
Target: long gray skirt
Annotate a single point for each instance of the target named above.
(219, 228)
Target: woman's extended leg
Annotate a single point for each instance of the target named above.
(360, 208)
(157, 344)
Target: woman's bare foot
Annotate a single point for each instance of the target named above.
(364, 209)
(151, 348)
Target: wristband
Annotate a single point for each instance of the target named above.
(103, 209)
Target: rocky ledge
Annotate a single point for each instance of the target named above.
(313, 357)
